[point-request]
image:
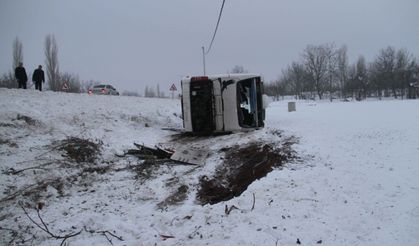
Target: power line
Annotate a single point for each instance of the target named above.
(216, 28)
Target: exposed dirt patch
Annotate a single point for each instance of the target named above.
(146, 170)
(80, 150)
(27, 119)
(75, 150)
(242, 166)
(5, 124)
(33, 192)
(99, 170)
(8, 142)
(177, 197)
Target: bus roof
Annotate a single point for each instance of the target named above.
(235, 76)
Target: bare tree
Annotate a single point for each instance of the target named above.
(405, 67)
(295, 79)
(149, 92)
(51, 61)
(342, 69)
(317, 62)
(7, 80)
(17, 52)
(275, 89)
(383, 71)
(413, 91)
(358, 79)
(351, 84)
(362, 77)
(146, 91)
(332, 65)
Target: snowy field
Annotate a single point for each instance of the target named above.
(356, 181)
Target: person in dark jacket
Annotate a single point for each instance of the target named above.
(38, 78)
(20, 75)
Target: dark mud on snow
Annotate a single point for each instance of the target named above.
(242, 166)
(80, 150)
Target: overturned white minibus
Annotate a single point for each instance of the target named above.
(222, 103)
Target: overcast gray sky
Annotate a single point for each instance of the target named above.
(134, 43)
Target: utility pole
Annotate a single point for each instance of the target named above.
(203, 58)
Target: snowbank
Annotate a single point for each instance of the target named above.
(356, 182)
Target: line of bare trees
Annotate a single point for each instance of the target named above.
(57, 81)
(150, 92)
(51, 61)
(323, 71)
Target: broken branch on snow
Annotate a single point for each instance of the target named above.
(44, 227)
(228, 210)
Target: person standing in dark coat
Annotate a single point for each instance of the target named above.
(38, 77)
(20, 75)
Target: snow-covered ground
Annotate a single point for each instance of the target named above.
(356, 183)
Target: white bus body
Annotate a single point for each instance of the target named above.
(222, 103)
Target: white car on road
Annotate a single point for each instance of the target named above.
(103, 90)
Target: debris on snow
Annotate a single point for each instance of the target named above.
(80, 150)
